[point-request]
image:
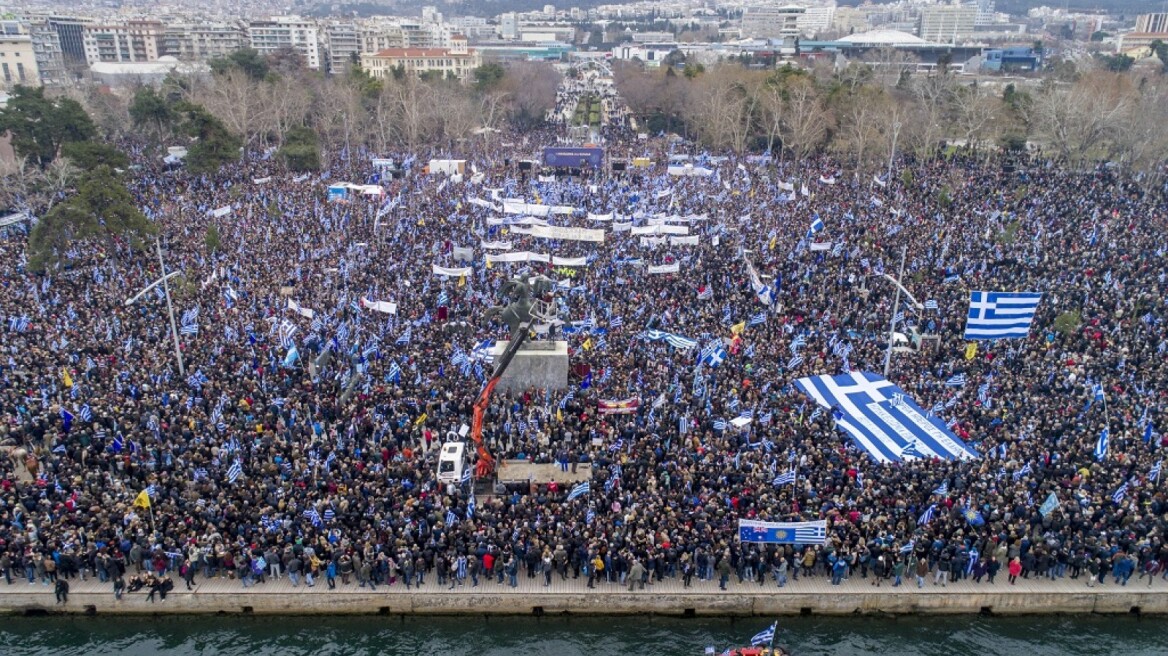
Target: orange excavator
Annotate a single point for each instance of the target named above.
(486, 462)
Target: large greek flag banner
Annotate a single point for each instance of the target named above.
(1001, 315)
(782, 532)
(882, 419)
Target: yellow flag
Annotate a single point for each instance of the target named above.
(559, 415)
(458, 206)
(737, 328)
(66, 378)
(462, 281)
(773, 241)
(421, 419)
(143, 500)
(489, 265)
(588, 344)
(970, 350)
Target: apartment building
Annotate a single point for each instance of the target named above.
(18, 64)
(132, 41)
(947, 23)
(196, 42)
(269, 36)
(342, 43)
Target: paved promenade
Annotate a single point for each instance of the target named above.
(813, 595)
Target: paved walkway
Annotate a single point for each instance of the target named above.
(527, 586)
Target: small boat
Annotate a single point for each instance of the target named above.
(755, 651)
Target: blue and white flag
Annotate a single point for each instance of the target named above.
(956, 380)
(816, 226)
(942, 489)
(404, 339)
(85, 413)
(782, 532)
(451, 518)
(580, 490)
(470, 506)
(235, 472)
(1001, 315)
(1102, 445)
(714, 356)
(757, 319)
(785, 478)
(927, 516)
(1154, 473)
(1117, 497)
(861, 403)
(764, 637)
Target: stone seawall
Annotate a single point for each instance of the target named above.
(1115, 600)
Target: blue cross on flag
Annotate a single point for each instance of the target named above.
(1001, 315)
(863, 407)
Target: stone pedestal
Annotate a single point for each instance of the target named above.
(537, 364)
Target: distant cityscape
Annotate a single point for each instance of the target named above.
(64, 43)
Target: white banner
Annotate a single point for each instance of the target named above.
(261, 180)
(691, 240)
(600, 217)
(221, 212)
(379, 306)
(496, 245)
(654, 242)
(660, 230)
(570, 261)
(478, 202)
(665, 268)
(816, 246)
(463, 254)
(569, 234)
(786, 186)
(455, 272)
(519, 256)
(302, 311)
(827, 181)
(622, 227)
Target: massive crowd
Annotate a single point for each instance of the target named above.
(254, 467)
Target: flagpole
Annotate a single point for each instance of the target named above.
(169, 310)
(895, 306)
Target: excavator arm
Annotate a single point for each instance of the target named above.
(486, 462)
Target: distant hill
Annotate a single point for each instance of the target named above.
(1128, 8)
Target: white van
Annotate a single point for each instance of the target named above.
(451, 462)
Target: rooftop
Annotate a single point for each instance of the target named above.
(884, 38)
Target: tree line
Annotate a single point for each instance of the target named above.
(864, 111)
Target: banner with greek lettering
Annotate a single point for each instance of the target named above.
(665, 268)
(625, 226)
(562, 233)
(654, 242)
(600, 217)
(453, 272)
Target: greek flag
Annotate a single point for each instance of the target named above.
(235, 472)
(405, 337)
(615, 322)
(1118, 496)
(706, 294)
(466, 474)
(764, 637)
(795, 362)
(1102, 444)
(766, 419)
(1154, 473)
(1001, 315)
(580, 490)
(927, 516)
(451, 518)
(931, 304)
(190, 329)
(85, 413)
(443, 298)
(816, 226)
(786, 478)
(713, 357)
(862, 406)
(757, 320)
(957, 380)
(470, 506)
(942, 489)
(394, 372)
(720, 424)
(1022, 472)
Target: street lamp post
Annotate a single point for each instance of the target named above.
(895, 307)
(892, 154)
(165, 282)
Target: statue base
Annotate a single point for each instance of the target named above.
(536, 364)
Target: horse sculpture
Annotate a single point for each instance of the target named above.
(530, 299)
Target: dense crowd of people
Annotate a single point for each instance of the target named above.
(304, 443)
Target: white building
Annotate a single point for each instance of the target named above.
(201, 41)
(282, 32)
(132, 41)
(815, 20)
(509, 26)
(343, 46)
(947, 23)
(771, 22)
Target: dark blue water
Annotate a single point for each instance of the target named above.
(560, 636)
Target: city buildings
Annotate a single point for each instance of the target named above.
(18, 64)
(947, 23)
(458, 61)
(287, 32)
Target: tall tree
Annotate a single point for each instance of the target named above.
(40, 125)
(102, 209)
